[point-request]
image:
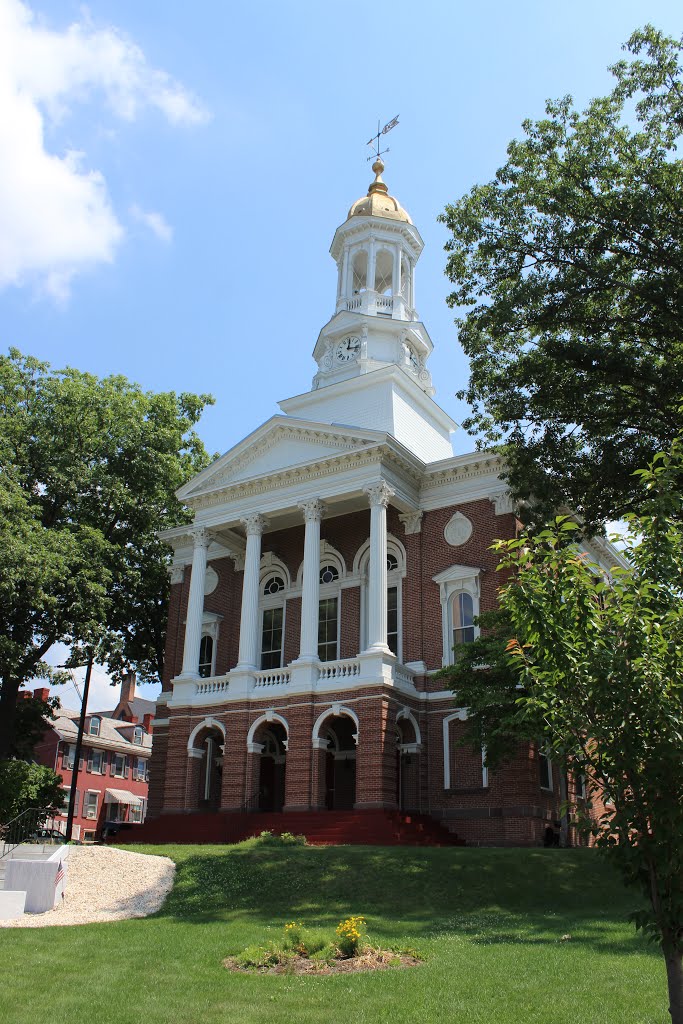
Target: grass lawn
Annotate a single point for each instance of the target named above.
(489, 922)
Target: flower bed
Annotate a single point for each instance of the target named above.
(303, 951)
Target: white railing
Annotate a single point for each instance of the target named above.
(219, 684)
(272, 677)
(354, 303)
(346, 669)
(384, 302)
(403, 674)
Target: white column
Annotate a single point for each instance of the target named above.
(254, 526)
(378, 496)
(195, 604)
(396, 272)
(344, 290)
(310, 595)
(372, 259)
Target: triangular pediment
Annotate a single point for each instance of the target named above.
(282, 443)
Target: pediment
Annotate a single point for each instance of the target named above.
(280, 444)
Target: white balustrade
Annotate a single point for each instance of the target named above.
(219, 684)
(346, 669)
(272, 677)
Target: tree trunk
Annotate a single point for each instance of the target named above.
(674, 977)
(8, 711)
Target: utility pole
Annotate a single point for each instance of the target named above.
(77, 753)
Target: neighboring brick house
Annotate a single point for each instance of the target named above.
(113, 775)
(337, 556)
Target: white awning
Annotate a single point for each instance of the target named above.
(122, 796)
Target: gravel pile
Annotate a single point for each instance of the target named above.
(103, 884)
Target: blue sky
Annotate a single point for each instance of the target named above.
(171, 175)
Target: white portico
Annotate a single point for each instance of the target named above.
(353, 470)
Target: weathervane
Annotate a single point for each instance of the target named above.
(374, 141)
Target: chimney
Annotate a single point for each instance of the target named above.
(147, 722)
(127, 689)
(42, 694)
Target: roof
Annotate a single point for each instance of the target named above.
(139, 707)
(113, 735)
(378, 202)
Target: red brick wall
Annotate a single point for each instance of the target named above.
(511, 809)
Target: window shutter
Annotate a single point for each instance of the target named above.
(76, 802)
(65, 756)
(125, 767)
(90, 760)
(112, 763)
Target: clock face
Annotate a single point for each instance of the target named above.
(347, 349)
(412, 358)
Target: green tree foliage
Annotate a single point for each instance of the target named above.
(33, 717)
(88, 471)
(602, 666)
(569, 269)
(24, 785)
(486, 683)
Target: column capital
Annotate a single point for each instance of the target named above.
(254, 524)
(176, 574)
(313, 510)
(379, 494)
(412, 521)
(201, 538)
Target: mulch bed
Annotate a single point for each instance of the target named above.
(371, 960)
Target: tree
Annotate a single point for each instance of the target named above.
(88, 474)
(486, 683)
(601, 661)
(569, 267)
(24, 785)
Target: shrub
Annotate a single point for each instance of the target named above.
(268, 838)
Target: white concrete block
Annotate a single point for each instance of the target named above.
(12, 904)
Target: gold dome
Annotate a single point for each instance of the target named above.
(378, 202)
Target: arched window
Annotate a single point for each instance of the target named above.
(329, 573)
(395, 574)
(137, 734)
(384, 272)
(206, 656)
(274, 585)
(459, 591)
(360, 272)
(463, 618)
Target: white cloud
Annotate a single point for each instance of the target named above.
(156, 223)
(56, 216)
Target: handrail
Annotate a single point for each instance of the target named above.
(21, 828)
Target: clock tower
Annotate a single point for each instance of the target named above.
(375, 322)
(372, 355)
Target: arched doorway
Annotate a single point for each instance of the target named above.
(205, 751)
(270, 743)
(407, 764)
(340, 762)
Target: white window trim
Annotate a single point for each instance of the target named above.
(550, 788)
(272, 566)
(461, 716)
(98, 720)
(328, 590)
(452, 581)
(115, 774)
(91, 816)
(394, 579)
(211, 622)
(98, 771)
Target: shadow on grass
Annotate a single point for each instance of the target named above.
(532, 897)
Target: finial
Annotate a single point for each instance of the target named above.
(378, 185)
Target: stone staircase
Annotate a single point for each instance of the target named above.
(321, 828)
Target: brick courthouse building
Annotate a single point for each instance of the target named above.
(337, 556)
